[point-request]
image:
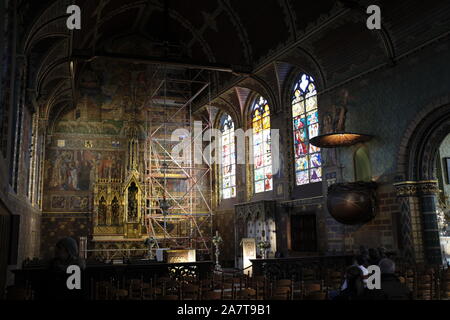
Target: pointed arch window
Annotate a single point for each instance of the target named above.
(262, 153)
(308, 160)
(228, 163)
(363, 170)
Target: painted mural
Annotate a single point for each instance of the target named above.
(90, 142)
(69, 170)
(94, 161)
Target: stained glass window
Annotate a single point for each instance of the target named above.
(228, 164)
(308, 161)
(262, 152)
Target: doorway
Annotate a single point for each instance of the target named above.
(304, 233)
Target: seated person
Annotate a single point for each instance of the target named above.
(355, 289)
(54, 283)
(391, 287)
(361, 262)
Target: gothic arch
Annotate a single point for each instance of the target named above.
(302, 60)
(227, 107)
(417, 185)
(249, 104)
(290, 82)
(418, 148)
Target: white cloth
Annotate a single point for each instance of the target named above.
(365, 274)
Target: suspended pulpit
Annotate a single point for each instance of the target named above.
(352, 203)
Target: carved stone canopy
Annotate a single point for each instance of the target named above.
(255, 211)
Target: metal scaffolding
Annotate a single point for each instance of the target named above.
(178, 192)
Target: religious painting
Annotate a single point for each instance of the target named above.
(89, 127)
(79, 203)
(118, 89)
(69, 170)
(58, 202)
(94, 151)
(109, 165)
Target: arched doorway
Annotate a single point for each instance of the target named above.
(418, 188)
(443, 175)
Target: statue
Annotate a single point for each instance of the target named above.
(102, 212)
(340, 111)
(334, 121)
(115, 212)
(132, 203)
(327, 124)
(217, 240)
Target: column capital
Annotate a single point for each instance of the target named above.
(416, 188)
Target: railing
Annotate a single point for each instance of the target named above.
(294, 268)
(111, 254)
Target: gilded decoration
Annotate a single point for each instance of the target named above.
(416, 188)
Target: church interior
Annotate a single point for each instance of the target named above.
(223, 149)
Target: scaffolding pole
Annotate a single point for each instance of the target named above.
(190, 207)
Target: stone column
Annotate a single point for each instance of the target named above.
(41, 174)
(283, 179)
(432, 244)
(411, 227)
(419, 221)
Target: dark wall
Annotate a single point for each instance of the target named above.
(5, 227)
(56, 226)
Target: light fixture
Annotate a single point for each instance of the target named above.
(339, 139)
(72, 68)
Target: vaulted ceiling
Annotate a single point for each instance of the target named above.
(255, 39)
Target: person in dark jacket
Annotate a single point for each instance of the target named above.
(54, 282)
(382, 253)
(66, 254)
(391, 287)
